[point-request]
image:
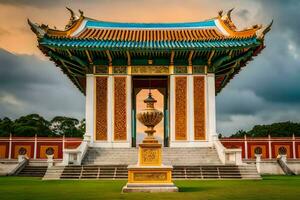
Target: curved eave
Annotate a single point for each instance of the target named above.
(75, 80)
(148, 45)
(228, 77)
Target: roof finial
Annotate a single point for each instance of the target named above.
(73, 18)
(81, 12)
(229, 13)
(37, 29)
(266, 30)
(220, 13)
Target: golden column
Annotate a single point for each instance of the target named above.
(150, 175)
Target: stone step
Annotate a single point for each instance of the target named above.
(33, 171)
(171, 156)
(179, 172)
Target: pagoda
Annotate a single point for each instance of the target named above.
(189, 63)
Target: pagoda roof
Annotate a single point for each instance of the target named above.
(210, 40)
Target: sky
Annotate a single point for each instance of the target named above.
(267, 90)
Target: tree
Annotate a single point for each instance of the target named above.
(31, 125)
(220, 136)
(5, 127)
(82, 126)
(239, 133)
(281, 129)
(70, 127)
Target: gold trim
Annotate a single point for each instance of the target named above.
(244, 33)
(68, 32)
(89, 56)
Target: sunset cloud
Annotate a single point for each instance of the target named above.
(265, 91)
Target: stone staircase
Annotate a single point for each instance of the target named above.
(114, 172)
(95, 172)
(53, 173)
(190, 156)
(215, 172)
(249, 171)
(188, 163)
(171, 156)
(111, 156)
(33, 171)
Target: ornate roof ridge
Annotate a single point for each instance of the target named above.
(77, 24)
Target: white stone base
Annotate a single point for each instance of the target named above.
(184, 144)
(151, 188)
(111, 144)
(176, 144)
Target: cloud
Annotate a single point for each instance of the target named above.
(267, 89)
(33, 3)
(3, 32)
(31, 85)
(10, 99)
(243, 13)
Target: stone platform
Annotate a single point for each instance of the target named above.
(148, 187)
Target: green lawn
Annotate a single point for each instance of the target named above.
(271, 187)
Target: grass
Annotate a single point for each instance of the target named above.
(271, 187)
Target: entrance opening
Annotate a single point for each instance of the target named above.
(159, 90)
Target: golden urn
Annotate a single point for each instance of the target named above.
(150, 117)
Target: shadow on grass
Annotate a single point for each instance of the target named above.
(193, 189)
(279, 177)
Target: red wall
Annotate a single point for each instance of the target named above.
(263, 143)
(42, 143)
(71, 143)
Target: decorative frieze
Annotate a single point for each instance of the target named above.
(181, 108)
(150, 69)
(120, 122)
(199, 107)
(101, 108)
(119, 69)
(198, 69)
(101, 69)
(181, 69)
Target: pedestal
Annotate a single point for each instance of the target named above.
(21, 158)
(149, 175)
(50, 160)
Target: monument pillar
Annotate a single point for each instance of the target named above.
(150, 175)
(211, 107)
(89, 108)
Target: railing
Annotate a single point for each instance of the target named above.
(228, 156)
(21, 165)
(282, 163)
(75, 156)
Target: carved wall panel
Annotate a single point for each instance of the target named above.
(101, 108)
(150, 176)
(180, 108)
(120, 123)
(199, 107)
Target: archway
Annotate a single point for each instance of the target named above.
(159, 89)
